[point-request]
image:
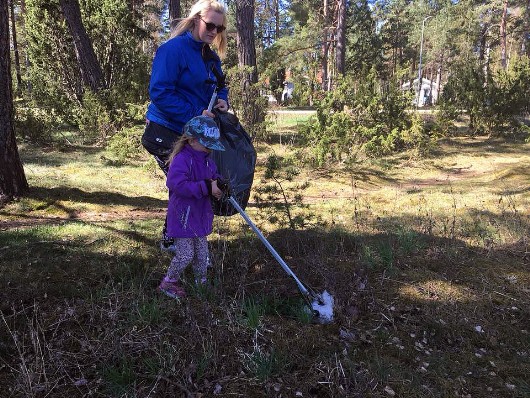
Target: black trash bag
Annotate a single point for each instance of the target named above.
(236, 163)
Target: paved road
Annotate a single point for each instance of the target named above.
(312, 111)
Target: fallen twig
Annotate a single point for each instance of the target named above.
(505, 295)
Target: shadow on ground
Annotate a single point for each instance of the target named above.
(52, 195)
(403, 301)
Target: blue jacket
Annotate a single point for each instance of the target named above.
(189, 211)
(178, 88)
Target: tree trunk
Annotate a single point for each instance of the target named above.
(89, 66)
(13, 182)
(526, 31)
(504, 62)
(27, 62)
(340, 53)
(174, 11)
(277, 18)
(246, 54)
(486, 65)
(15, 44)
(246, 49)
(325, 47)
(439, 79)
(482, 45)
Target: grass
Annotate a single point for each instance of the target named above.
(427, 260)
(283, 125)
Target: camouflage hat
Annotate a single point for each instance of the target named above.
(206, 131)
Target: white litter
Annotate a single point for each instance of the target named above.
(324, 306)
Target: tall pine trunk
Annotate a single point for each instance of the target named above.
(504, 61)
(246, 49)
(526, 31)
(13, 181)
(277, 19)
(89, 66)
(324, 72)
(251, 112)
(174, 11)
(340, 54)
(438, 81)
(15, 44)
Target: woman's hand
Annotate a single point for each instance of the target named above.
(216, 192)
(222, 105)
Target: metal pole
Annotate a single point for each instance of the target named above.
(420, 80)
(285, 267)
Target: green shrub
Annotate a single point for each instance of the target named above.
(35, 124)
(493, 102)
(368, 114)
(126, 144)
(246, 101)
(94, 119)
(526, 131)
(135, 113)
(280, 195)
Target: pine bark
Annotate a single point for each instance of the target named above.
(526, 31)
(174, 11)
(13, 181)
(340, 54)
(246, 54)
(503, 35)
(15, 44)
(89, 66)
(325, 48)
(277, 19)
(246, 48)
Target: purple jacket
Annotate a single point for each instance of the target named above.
(189, 211)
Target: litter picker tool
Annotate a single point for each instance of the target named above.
(219, 84)
(320, 304)
(220, 80)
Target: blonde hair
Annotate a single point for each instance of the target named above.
(198, 10)
(177, 147)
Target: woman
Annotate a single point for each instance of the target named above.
(183, 78)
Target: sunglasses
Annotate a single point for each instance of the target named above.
(211, 26)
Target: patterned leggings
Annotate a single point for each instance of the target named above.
(190, 250)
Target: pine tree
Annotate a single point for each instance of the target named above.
(13, 181)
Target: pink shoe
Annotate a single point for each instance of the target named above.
(172, 289)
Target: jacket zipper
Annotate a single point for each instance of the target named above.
(185, 223)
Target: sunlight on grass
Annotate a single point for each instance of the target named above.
(92, 175)
(518, 281)
(482, 200)
(286, 119)
(439, 291)
(68, 231)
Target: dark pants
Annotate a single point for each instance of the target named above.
(158, 141)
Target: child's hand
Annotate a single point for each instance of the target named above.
(216, 192)
(206, 112)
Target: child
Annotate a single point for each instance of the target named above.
(191, 179)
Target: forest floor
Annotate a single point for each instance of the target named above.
(428, 261)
